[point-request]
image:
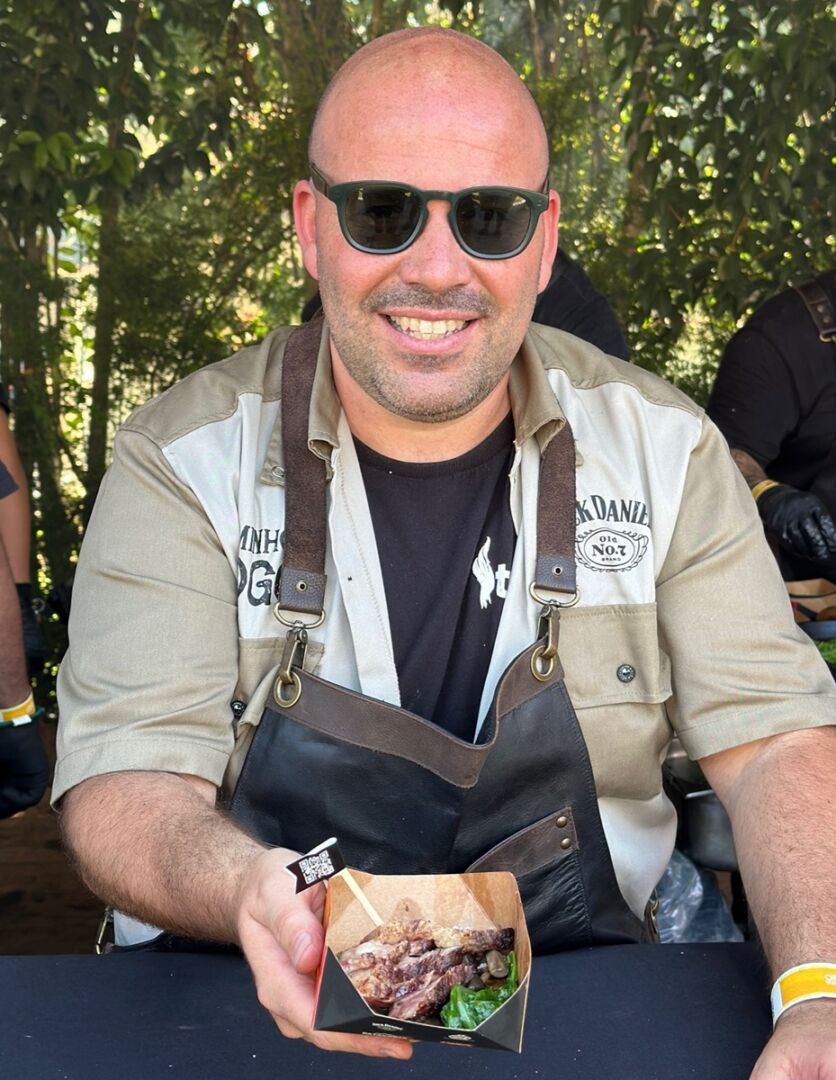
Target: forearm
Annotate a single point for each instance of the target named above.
(14, 685)
(783, 812)
(15, 525)
(752, 472)
(152, 845)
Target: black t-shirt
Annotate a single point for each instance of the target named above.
(7, 483)
(445, 538)
(775, 394)
(572, 303)
(5, 404)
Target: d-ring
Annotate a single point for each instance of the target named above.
(295, 688)
(277, 611)
(533, 593)
(542, 675)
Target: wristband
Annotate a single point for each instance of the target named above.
(802, 983)
(18, 714)
(763, 486)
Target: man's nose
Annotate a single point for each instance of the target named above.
(436, 259)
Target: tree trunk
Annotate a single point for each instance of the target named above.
(104, 326)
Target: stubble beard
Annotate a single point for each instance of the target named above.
(366, 361)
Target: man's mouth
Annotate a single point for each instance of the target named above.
(427, 329)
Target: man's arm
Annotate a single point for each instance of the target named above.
(153, 845)
(781, 800)
(15, 529)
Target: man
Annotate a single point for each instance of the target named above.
(775, 401)
(423, 560)
(24, 770)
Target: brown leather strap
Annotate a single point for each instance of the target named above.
(555, 566)
(821, 310)
(301, 582)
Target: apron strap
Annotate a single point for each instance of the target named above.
(300, 586)
(821, 311)
(555, 567)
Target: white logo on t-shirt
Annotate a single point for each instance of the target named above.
(489, 578)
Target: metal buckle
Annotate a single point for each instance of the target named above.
(550, 601)
(277, 611)
(288, 686)
(547, 628)
(106, 924)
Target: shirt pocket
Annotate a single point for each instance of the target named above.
(618, 678)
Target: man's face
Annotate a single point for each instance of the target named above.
(429, 332)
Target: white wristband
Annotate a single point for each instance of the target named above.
(802, 983)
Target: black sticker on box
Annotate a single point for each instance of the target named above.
(319, 864)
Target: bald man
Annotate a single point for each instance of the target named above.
(440, 583)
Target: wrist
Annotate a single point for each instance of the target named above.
(762, 487)
(16, 715)
(806, 984)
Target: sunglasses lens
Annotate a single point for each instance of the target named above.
(493, 222)
(381, 218)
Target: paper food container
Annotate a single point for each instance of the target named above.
(478, 901)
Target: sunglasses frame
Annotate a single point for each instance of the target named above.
(538, 202)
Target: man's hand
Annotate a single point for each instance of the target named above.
(803, 1045)
(282, 936)
(800, 521)
(24, 769)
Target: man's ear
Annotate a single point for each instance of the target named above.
(304, 218)
(550, 221)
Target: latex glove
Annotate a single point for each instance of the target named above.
(800, 521)
(33, 642)
(24, 768)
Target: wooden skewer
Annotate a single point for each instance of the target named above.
(369, 909)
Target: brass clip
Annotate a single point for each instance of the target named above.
(544, 657)
(288, 688)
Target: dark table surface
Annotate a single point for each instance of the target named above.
(665, 1012)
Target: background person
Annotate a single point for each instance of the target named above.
(389, 461)
(774, 399)
(16, 536)
(24, 770)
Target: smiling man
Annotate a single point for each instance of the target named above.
(439, 581)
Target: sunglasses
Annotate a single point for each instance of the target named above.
(382, 218)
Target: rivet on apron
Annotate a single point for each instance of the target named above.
(562, 822)
(565, 842)
(277, 472)
(626, 673)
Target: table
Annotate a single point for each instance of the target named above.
(663, 1012)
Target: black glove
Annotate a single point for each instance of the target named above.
(33, 642)
(800, 521)
(24, 768)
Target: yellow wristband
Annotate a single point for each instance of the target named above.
(763, 486)
(19, 714)
(802, 983)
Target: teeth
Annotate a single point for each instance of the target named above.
(427, 329)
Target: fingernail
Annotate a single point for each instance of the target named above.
(300, 946)
(395, 1052)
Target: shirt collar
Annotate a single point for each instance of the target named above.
(534, 406)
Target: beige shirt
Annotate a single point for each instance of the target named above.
(172, 616)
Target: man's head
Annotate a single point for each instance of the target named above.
(430, 331)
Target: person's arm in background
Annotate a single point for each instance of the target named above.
(24, 770)
(15, 535)
(754, 403)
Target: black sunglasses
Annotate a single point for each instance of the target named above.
(382, 218)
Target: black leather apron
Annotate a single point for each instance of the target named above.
(403, 795)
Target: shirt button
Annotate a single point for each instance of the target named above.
(626, 673)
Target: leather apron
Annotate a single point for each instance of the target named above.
(403, 795)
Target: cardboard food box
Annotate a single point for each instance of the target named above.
(477, 901)
(811, 598)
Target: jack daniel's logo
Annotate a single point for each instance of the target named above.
(605, 548)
